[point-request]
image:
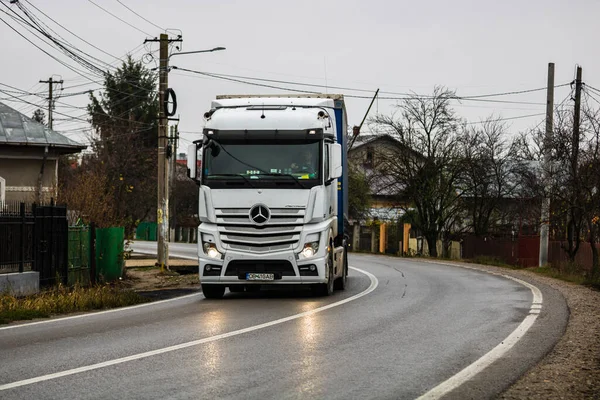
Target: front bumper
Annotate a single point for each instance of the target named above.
(234, 265)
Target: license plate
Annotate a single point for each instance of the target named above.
(259, 277)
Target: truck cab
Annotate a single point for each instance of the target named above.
(271, 193)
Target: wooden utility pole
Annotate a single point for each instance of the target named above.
(162, 216)
(50, 83)
(545, 218)
(576, 119)
(573, 224)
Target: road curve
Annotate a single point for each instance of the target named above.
(402, 328)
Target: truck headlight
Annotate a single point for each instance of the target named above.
(311, 246)
(210, 249)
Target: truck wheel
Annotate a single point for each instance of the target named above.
(213, 291)
(341, 282)
(326, 289)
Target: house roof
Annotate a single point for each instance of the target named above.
(20, 130)
(365, 139)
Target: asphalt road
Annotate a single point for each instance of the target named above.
(401, 329)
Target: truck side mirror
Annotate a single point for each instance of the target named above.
(194, 162)
(335, 161)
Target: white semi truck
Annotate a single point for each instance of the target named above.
(272, 193)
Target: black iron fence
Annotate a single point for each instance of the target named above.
(34, 238)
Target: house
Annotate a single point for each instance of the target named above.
(366, 154)
(29, 154)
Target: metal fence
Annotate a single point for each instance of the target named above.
(522, 250)
(34, 238)
(79, 255)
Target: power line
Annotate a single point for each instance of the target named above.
(71, 32)
(507, 119)
(242, 81)
(511, 93)
(122, 20)
(589, 94)
(67, 48)
(401, 96)
(150, 22)
(593, 88)
(33, 104)
(42, 50)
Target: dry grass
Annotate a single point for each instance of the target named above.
(63, 300)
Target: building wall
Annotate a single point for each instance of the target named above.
(20, 170)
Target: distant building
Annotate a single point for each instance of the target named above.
(366, 155)
(29, 154)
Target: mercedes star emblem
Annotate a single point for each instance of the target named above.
(260, 214)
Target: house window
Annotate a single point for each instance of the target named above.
(370, 157)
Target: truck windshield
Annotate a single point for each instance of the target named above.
(291, 164)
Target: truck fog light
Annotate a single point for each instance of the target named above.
(312, 267)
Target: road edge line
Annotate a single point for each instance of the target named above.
(497, 352)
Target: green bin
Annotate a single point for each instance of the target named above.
(146, 231)
(109, 253)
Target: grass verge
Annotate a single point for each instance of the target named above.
(63, 300)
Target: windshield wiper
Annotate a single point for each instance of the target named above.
(287, 175)
(237, 175)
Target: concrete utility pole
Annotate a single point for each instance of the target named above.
(163, 166)
(545, 219)
(50, 83)
(162, 216)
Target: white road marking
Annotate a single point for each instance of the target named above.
(95, 313)
(497, 352)
(372, 286)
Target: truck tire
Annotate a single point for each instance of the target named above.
(326, 289)
(213, 291)
(341, 282)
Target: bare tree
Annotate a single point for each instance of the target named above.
(489, 178)
(427, 164)
(590, 177)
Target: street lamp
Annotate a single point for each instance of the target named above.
(197, 51)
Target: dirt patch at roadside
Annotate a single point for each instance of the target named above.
(143, 276)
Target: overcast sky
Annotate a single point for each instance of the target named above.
(474, 47)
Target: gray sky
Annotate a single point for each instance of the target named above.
(475, 47)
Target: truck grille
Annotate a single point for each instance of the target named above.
(281, 232)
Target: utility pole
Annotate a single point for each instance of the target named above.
(51, 83)
(163, 166)
(162, 211)
(575, 195)
(576, 119)
(163, 130)
(545, 218)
